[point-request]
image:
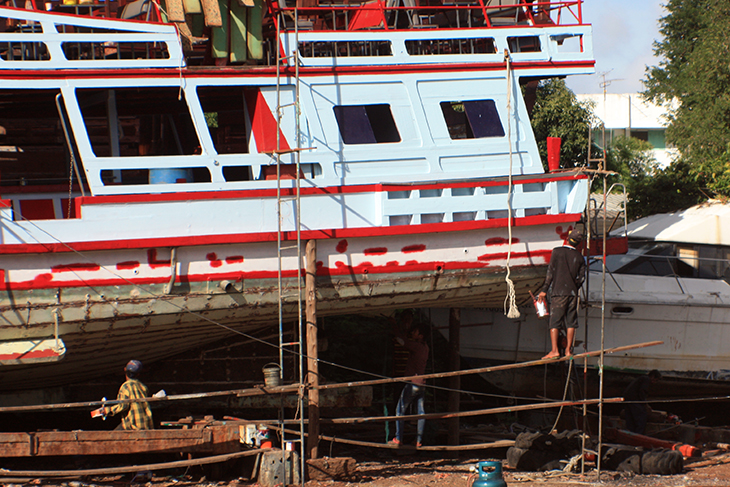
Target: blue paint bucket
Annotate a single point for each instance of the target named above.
(490, 475)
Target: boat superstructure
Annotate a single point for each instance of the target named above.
(154, 166)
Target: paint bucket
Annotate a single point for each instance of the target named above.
(272, 375)
(490, 475)
(541, 307)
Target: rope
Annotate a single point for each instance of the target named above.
(513, 311)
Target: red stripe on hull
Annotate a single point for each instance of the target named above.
(45, 281)
(266, 71)
(201, 240)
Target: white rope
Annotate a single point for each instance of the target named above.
(513, 312)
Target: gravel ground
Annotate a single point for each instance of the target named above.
(415, 472)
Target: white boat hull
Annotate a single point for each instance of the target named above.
(690, 316)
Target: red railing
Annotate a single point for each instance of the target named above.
(406, 14)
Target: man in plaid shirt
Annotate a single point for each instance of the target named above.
(138, 414)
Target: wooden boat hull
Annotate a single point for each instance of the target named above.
(139, 313)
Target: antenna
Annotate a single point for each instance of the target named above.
(606, 82)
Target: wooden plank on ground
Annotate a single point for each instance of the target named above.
(216, 439)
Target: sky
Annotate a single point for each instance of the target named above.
(623, 35)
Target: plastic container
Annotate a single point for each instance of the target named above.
(541, 307)
(171, 176)
(490, 475)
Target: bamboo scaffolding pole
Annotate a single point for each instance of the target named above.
(475, 412)
(484, 370)
(295, 388)
(371, 444)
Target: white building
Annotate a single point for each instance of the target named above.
(629, 115)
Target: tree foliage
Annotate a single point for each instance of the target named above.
(557, 113)
(650, 189)
(695, 71)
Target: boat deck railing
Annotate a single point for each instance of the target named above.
(375, 15)
(432, 28)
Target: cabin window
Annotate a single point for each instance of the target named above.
(94, 51)
(478, 45)
(474, 119)
(24, 51)
(225, 115)
(33, 147)
(129, 122)
(524, 44)
(174, 175)
(366, 124)
(345, 49)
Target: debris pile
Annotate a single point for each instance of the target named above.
(535, 451)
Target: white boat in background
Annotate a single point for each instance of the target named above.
(156, 164)
(672, 286)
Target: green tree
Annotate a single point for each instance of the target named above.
(667, 190)
(557, 113)
(650, 189)
(695, 72)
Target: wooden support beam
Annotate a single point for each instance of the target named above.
(455, 381)
(312, 351)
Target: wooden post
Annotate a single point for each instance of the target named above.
(455, 381)
(312, 354)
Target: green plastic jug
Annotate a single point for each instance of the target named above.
(490, 475)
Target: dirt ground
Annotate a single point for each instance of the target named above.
(412, 471)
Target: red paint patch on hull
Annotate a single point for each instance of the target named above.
(32, 354)
(213, 258)
(544, 254)
(341, 246)
(500, 241)
(153, 262)
(234, 259)
(128, 265)
(409, 249)
(80, 267)
(376, 251)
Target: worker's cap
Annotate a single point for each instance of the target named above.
(133, 368)
(575, 235)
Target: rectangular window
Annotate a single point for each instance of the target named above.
(24, 51)
(33, 147)
(366, 124)
(477, 45)
(94, 51)
(225, 114)
(128, 122)
(473, 119)
(345, 48)
(524, 44)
